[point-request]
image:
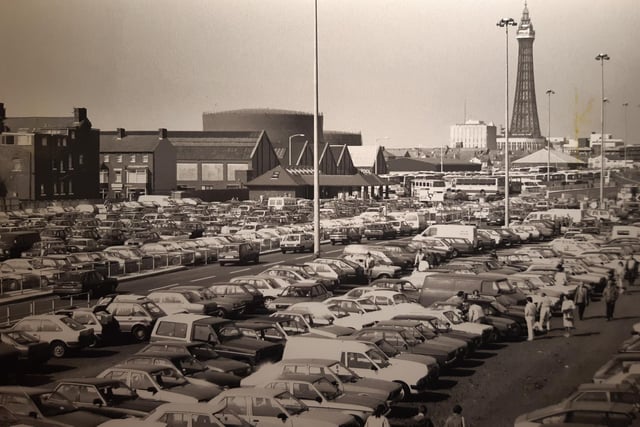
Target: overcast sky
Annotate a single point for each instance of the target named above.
(399, 71)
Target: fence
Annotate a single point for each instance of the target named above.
(11, 313)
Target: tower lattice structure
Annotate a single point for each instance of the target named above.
(524, 120)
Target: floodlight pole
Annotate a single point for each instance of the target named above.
(602, 57)
(549, 92)
(316, 175)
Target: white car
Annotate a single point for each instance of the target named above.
(269, 286)
(180, 301)
(59, 331)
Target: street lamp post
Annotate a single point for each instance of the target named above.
(625, 105)
(506, 23)
(549, 92)
(602, 57)
(290, 138)
(316, 157)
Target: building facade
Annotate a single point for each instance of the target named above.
(474, 134)
(136, 163)
(50, 158)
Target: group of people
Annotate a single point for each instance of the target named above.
(421, 419)
(616, 286)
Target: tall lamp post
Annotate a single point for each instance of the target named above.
(316, 157)
(290, 138)
(625, 105)
(549, 92)
(602, 57)
(506, 23)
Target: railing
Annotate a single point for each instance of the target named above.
(11, 313)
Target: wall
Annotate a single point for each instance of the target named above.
(164, 168)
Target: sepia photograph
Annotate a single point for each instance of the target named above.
(319, 213)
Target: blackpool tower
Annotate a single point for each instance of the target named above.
(525, 127)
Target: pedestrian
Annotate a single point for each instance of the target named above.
(422, 419)
(369, 263)
(545, 312)
(620, 271)
(632, 271)
(421, 261)
(567, 308)
(455, 419)
(457, 299)
(581, 299)
(530, 317)
(377, 419)
(610, 296)
(560, 277)
(419, 257)
(476, 313)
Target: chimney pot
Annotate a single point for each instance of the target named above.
(121, 133)
(162, 133)
(79, 114)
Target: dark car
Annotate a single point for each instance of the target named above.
(32, 352)
(90, 282)
(189, 365)
(239, 253)
(399, 285)
(204, 352)
(380, 231)
(41, 404)
(9, 358)
(105, 396)
(345, 235)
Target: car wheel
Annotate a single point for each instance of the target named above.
(333, 243)
(283, 251)
(140, 333)
(94, 342)
(257, 260)
(455, 253)
(406, 391)
(222, 264)
(220, 312)
(58, 349)
(383, 276)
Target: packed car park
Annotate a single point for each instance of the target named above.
(394, 328)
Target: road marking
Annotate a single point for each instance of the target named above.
(202, 278)
(273, 263)
(163, 287)
(239, 271)
(333, 252)
(303, 256)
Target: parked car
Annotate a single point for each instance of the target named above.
(88, 282)
(379, 230)
(105, 396)
(239, 253)
(176, 301)
(589, 413)
(345, 235)
(61, 332)
(275, 406)
(297, 242)
(269, 286)
(105, 327)
(135, 314)
(299, 292)
(241, 294)
(32, 351)
(159, 382)
(46, 408)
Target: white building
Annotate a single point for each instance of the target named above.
(473, 134)
(609, 142)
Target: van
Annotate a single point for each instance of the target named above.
(365, 359)
(469, 232)
(297, 242)
(282, 203)
(439, 287)
(14, 243)
(154, 200)
(625, 231)
(417, 221)
(239, 253)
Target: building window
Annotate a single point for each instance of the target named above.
(54, 165)
(80, 159)
(70, 162)
(70, 187)
(213, 172)
(105, 158)
(132, 158)
(187, 172)
(145, 158)
(118, 176)
(17, 165)
(232, 168)
(55, 188)
(104, 177)
(119, 158)
(42, 193)
(44, 141)
(72, 134)
(61, 166)
(137, 176)
(64, 142)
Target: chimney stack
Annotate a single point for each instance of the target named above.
(79, 114)
(162, 133)
(121, 133)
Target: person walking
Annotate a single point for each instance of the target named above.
(581, 299)
(422, 419)
(419, 257)
(475, 313)
(567, 308)
(368, 266)
(620, 272)
(530, 312)
(610, 296)
(545, 312)
(455, 419)
(377, 419)
(560, 277)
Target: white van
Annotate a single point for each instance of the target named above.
(282, 203)
(622, 231)
(365, 359)
(155, 200)
(469, 232)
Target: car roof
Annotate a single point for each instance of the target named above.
(93, 381)
(607, 387)
(251, 391)
(300, 377)
(302, 285)
(140, 367)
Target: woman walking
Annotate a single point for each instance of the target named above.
(567, 308)
(377, 419)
